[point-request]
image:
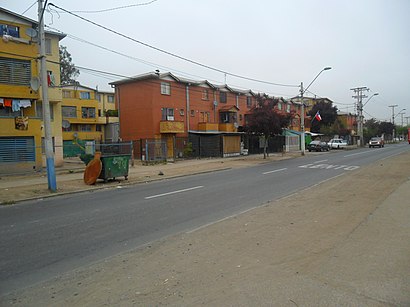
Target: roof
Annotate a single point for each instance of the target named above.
(77, 86)
(33, 22)
(229, 109)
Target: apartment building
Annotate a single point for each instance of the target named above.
(22, 133)
(87, 115)
(165, 107)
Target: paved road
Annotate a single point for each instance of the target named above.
(59, 234)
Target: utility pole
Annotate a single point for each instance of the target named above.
(302, 121)
(48, 142)
(392, 117)
(359, 96)
(407, 119)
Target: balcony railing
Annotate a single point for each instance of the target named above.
(228, 127)
(171, 127)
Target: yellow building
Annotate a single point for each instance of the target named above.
(21, 124)
(108, 115)
(87, 115)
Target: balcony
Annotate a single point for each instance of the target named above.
(208, 127)
(171, 127)
(227, 127)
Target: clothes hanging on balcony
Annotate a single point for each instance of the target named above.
(7, 102)
(15, 105)
(25, 103)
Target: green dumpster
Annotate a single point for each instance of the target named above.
(114, 166)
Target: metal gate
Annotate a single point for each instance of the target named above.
(155, 150)
(292, 143)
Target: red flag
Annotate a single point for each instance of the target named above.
(318, 117)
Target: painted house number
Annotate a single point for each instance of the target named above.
(330, 166)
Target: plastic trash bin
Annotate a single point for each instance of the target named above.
(114, 166)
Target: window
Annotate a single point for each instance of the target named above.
(165, 88)
(222, 97)
(98, 128)
(205, 117)
(85, 95)
(9, 30)
(280, 106)
(110, 98)
(249, 102)
(167, 114)
(87, 112)
(86, 128)
(205, 94)
(48, 45)
(68, 94)
(288, 108)
(98, 97)
(68, 111)
(39, 110)
(13, 71)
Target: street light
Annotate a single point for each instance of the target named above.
(375, 94)
(302, 117)
(393, 116)
(361, 117)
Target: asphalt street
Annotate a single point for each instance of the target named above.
(62, 233)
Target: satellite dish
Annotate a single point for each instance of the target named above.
(215, 103)
(65, 124)
(75, 135)
(35, 83)
(236, 125)
(31, 32)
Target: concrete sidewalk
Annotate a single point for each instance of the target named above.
(70, 176)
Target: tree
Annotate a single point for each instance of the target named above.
(328, 113)
(265, 121)
(67, 67)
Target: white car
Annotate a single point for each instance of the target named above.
(337, 143)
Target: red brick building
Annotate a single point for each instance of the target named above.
(166, 107)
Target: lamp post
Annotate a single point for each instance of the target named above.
(361, 117)
(302, 115)
(375, 94)
(393, 117)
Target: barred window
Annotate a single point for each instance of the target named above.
(13, 71)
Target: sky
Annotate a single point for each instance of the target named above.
(283, 43)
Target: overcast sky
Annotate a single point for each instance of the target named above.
(366, 42)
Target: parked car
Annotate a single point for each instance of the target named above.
(337, 143)
(376, 142)
(318, 146)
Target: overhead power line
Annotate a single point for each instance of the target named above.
(170, 53)
(115, 8)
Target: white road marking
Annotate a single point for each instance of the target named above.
(330, 166)
(174, 192)
(276, 170)
(358, 153)
(321, 161)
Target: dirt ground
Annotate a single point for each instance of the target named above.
(344, 242)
